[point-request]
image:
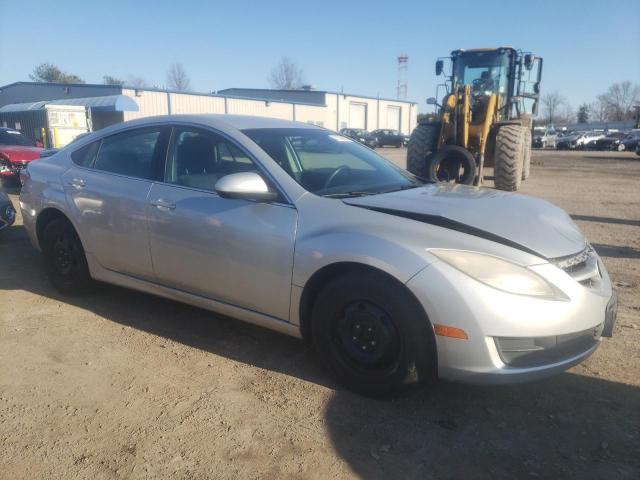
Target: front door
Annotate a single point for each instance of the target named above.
(235, 251)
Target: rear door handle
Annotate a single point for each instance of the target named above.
(161, 204)
(77, 183)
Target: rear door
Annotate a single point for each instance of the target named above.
(107, 189)
(234, 251)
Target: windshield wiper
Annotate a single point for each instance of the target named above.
(403, 187)
(349, 194)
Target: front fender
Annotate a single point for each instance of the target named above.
(327, 247)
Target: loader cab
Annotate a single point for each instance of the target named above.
(486, 72)
(513, 76)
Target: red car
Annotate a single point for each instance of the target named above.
(16, 151)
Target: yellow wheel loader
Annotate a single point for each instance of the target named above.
(485, 119)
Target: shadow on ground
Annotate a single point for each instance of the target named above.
(614, 221)
(570, 426)
(616, 251)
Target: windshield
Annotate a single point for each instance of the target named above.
(328, 164)
(486, 72)
(13, 137)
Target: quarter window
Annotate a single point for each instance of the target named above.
(199, 158)
(86, 155)
(129, 153)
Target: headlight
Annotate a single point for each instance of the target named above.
(500, 274)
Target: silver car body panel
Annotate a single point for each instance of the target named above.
(110, 211)
(253, 260)
(504, 214)
(236, 251)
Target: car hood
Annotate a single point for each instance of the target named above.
(524, 222)
(21, 154)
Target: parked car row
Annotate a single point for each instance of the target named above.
(587, 140)
(378, 138)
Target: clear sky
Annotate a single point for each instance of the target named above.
(340, 45)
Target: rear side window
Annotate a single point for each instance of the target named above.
(86, 155)
(130, 153)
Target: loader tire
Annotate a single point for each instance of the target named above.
(526, 161)
(509, 156)
(452, 164)
(423, 143)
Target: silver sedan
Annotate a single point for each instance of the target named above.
(301, 230)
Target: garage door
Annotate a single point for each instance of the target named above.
(358, 115)
(393, 117)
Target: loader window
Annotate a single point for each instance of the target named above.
(486, 72)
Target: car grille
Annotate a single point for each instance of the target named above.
(538, 351)
(582, 267)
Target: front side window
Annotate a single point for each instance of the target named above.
(328, 164)
(130, 153)
(199, 158)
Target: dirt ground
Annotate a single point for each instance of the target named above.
(120, 384)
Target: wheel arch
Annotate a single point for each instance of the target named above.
(328, 273)
(46, 216)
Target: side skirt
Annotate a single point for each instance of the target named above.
(104, 275)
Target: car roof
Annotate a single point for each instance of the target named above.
(239, 122)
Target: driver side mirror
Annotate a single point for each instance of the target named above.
(246, 186)
(528, 61)
(432, 101)
(439, 67)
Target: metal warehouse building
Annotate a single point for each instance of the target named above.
(109, 104)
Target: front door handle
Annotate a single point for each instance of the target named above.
(161, 204)
(77, 183)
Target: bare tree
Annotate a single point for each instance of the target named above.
(135, 81)
(598, 109)
(566, 114)
(47, 72)
(551, 103)
(177, 78)
(619, 100)
(286, 75)
(110, 80)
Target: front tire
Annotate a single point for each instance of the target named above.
(509, 156)
(373, 335)
(423, 143)
(65, 261)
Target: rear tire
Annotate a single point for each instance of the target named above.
(65, 261)
(526, 161)
(422, 145)
(373, 335)
(509, 156)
